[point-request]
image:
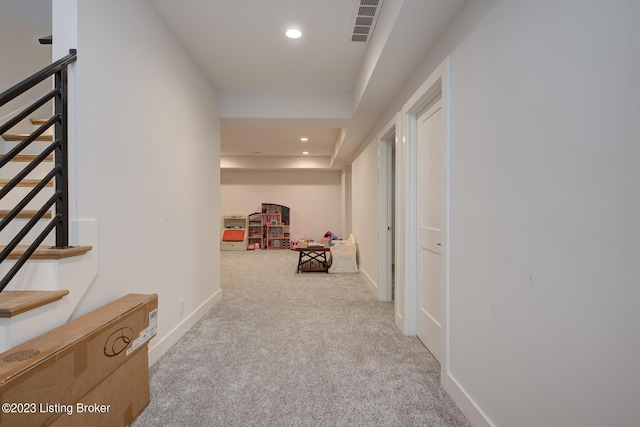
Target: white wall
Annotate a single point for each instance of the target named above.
(312, 196)
(147, 163)
(544, 213)
(366, 213)
(21, 25)
(544, 208)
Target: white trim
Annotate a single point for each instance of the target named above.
(438, 84)
(383, 178)
(385, 170)
(348, 201)
(446, 301)
(158, 348)
(465, 403)
(372, 284)
(401, 196)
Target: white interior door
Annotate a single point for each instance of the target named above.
(431, 192)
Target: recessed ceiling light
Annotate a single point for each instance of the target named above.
(305, 152)
(294, 33)
(303, 139)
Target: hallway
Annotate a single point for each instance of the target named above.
(285, 349)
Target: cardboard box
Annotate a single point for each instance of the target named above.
(41, 377)
(116, 401)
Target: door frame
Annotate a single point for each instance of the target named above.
(437, 84)
(386, 146)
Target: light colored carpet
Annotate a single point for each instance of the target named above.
(287, 349)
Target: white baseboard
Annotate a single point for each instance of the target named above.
(372, 285)
(157, 349)
(399, 322)
(467, 405)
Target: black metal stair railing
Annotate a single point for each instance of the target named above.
(59, 201)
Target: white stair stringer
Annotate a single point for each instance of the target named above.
(74, 274)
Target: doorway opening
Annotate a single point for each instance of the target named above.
(387, 158)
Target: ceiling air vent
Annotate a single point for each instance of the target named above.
(367, 12)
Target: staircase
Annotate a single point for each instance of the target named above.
(46, 282)
(45, 292)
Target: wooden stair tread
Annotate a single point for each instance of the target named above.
(26, 183)
(13, 303)
(28, 158)
(38, 121)
(26, 213)
(47, 252)
(21, 136)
